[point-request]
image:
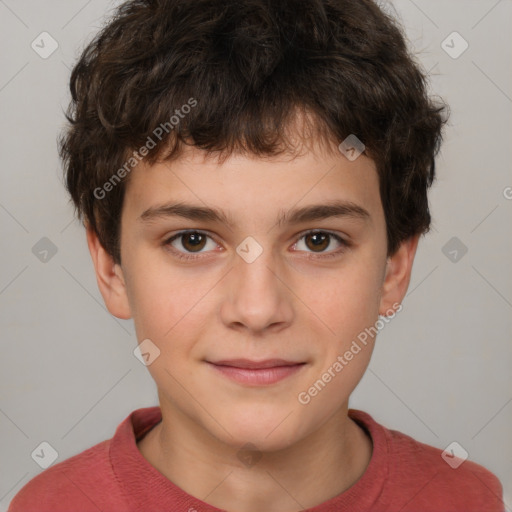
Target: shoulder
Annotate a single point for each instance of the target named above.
(80, 483)
(440, 477)
(423, 478)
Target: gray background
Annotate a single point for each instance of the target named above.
(441, 371)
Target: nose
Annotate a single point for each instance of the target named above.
(258, 297)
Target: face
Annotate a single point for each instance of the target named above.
(252, 259)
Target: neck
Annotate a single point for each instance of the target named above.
(303, 475)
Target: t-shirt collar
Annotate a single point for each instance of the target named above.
(145, 488)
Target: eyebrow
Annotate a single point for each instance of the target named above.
(291, 217)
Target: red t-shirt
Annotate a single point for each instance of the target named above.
(403, 475)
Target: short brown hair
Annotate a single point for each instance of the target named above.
(250, 66)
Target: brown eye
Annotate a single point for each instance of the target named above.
(318, 241)
(321, 244)
(193, 241)
(190, 244)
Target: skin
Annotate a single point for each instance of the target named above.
(289, 303)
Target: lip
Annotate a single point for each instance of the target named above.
(257, 373)
(255, 365)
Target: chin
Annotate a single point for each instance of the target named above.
(273, 433)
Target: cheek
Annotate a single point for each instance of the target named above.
(168, 304)
(348, 307)
(346, 301)
(158, 304)
(171, 315)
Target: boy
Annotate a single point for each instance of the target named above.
(253, 178)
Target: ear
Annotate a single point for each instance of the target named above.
(398, 275)
(109, 277)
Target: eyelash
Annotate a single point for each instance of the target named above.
(188, 256)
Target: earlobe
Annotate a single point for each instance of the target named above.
(109, 277)
(398, 275)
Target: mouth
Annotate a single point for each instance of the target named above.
(257, 373)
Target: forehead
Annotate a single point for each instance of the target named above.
(259, 187)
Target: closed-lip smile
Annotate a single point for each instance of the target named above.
(247, 363)
(256, 373)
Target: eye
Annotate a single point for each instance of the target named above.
(319, 241)
(191, 242)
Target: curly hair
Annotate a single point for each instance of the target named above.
(247, 67)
